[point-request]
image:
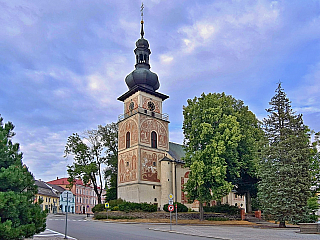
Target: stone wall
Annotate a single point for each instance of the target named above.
(166, 215)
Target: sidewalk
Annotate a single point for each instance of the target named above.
(49, 235)
(224, 232)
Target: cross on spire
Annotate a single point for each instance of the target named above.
(142, 32)
(142, 7)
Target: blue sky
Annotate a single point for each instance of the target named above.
(63, 62)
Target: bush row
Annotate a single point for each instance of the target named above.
(120, 205)
(181, 207)
(223, 208)
(103, 216)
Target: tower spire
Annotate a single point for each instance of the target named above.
(142, 32)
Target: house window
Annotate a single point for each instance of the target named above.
(154, 139)
(128, 140)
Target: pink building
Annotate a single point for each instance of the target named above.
(85, 197)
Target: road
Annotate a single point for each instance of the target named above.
(80, 228)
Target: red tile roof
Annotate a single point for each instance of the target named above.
(64, 181)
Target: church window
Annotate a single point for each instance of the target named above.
(127, 163)
(154, 164)
(154, 187)
(128, 140)
(155, 199)
(154, 139)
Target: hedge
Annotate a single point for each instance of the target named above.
(181, 207)
(223, 208)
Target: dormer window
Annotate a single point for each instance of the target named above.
(153, 139)
(128, 140)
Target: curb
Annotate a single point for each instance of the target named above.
(189, 234)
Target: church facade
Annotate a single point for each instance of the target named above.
(149, 166)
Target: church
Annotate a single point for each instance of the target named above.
(149, 166)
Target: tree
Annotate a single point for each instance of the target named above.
(220, 143)
(92, 152)
(109, 137)
(315, 162)
(249, 148)
(285, 178)
(20, 217)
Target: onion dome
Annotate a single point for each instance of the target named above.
(142, 75)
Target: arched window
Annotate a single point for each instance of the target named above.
(128, 140)
(154, 139)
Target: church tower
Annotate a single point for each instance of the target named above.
(143, 134)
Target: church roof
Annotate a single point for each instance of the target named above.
(141, 78)
(176, 151)
(141, 88)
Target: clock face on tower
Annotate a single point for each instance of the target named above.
(151, 106)
(131, 106)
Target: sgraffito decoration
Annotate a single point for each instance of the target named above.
(149, 165)
(147, 126)
(184, 179)
(131, 126)
(128, 166)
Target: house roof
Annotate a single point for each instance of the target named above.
(64, 181)
(60, 181)
(177, 152)
(57, 187)
(44, 189)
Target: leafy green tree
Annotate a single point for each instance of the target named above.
(285, 178)
(109, 137)
(20, 217)
(221, 137)
(315, 162)
(92, 152)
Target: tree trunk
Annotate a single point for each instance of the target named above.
(99, 198)
(201, 211)
(248, 202)
(282, 224)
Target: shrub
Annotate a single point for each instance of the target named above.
(223, 208)
(115, 208)
(131, 206)
(104, 216)
(98, 208)
(115, 202)
(181, 207)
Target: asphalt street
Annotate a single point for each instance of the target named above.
(81, 228)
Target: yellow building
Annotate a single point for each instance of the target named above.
(49, 197)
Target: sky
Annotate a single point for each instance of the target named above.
(63, 63)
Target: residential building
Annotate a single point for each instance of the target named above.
(50, 199)
(85, 197)
(64, 205)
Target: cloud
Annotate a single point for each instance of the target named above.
(61, 71)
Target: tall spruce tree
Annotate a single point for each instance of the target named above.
(285, 179)
(19, 216)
